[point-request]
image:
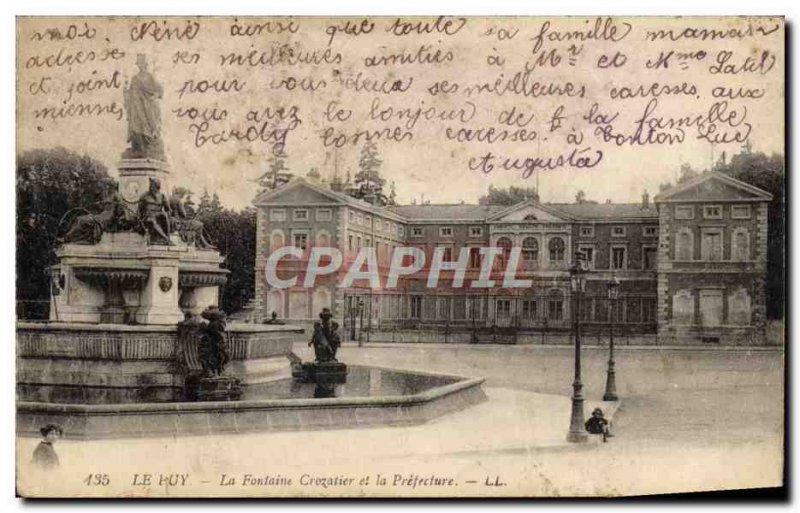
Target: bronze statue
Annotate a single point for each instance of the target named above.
(154, 211)
(322, 349)
(89, 228)
(188, 227)
(213, 351)
(144, 115)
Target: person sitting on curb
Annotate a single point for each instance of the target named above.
(598, 425)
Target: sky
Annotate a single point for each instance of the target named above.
(428, 166)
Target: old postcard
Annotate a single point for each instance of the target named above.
(397, 256)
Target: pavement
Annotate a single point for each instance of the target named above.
(687, 421)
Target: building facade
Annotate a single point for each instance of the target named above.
(690, 265)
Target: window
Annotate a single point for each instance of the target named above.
(351, 216)
(300, 214)
(474, 257)
(358, 243)
(277, 215)
(711, 244)
(416, 307)
(367, 220)
(367, 242)
(555, 305)
(387, 227)
(684, 245)
(400, 230)
(740, 212)
(324, 214)
(416, 232)
(445, 231)
(618, 258)
(350, 246)
(503, 308)
(649, 255)
(650, 231)
(300, 240)
(741, 245)
(476, 231)
(684, 212)
(587, 254)
(528, 309)
(618, 231)
(556, 247)
(587, 231)
(530, 249)
(504, 243)
(447, 255)
(712, 212)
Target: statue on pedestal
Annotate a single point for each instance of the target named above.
(89, 228)
(154, 211)
(144, 114)
(191, 230)
(214, 355)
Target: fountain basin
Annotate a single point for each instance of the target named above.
(90, 363)
(374, 396)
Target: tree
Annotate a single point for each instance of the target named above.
(234, 234)
(508, 196)
(50, 184)
(277, 174)
(767, 173)
(368, 181)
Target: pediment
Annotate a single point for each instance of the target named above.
(529, 212)
(297, 192)
(714, 187)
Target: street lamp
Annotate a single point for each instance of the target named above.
(611, 379)
(577, 433)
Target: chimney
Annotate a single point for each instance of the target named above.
(645, 200)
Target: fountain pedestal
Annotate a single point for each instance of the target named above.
(323, 373)
(213, 388)
(124, 280)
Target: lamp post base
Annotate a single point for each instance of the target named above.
(577, 433)
(611, 384)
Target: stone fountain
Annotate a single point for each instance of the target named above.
(125, 354)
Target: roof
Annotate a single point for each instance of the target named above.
(482, 212)
(443, 212)
(606, 210)
(755, 192)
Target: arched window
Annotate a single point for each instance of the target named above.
(556, 247)
(684, 245)
(323, 239)
(530, 249)
(741, 245)
(276, 240)
(504, 243)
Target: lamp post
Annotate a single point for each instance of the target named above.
(577, 433)
(360, 321)
(611, 379)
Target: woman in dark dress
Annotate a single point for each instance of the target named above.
(44, 456)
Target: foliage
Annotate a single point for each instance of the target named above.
(368, 181)
(508, 196)
(234, 234)
(50, 183)
(277, 174)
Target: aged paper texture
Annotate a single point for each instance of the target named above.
(399, 256)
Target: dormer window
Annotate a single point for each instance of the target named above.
(445, 231)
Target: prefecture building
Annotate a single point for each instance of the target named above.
(691, 265)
